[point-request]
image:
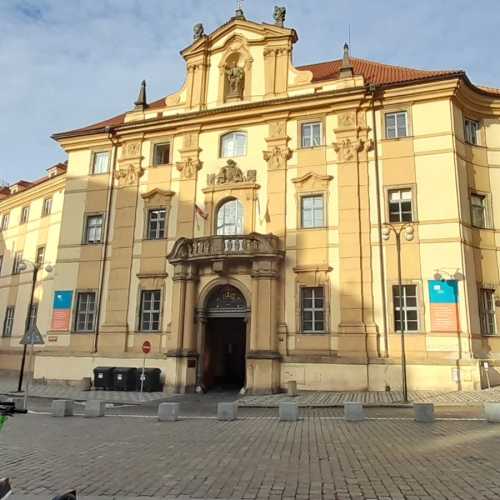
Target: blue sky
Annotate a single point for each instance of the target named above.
(69, 63)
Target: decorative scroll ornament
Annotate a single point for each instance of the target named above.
(231, 173)
(129, 175)
(188, 168)
(347, 148)
(277, 156)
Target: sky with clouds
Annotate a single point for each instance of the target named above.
(69, 63)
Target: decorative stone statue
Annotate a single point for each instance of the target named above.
(235, 81)
(279, 16)
(230, 173)
(198, 31)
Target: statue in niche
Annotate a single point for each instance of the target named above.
(279, 16)
(198, 31)
(235, 78)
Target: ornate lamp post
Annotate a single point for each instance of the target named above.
(36, 267)
(407, 230)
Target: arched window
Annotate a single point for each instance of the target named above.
(233, 144)
(230, 218)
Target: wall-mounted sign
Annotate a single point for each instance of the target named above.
(443, 297)
(61, 313)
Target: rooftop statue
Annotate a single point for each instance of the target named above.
(279, 16)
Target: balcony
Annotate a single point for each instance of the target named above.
(214, 248)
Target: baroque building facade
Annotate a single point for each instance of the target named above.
(238, 225)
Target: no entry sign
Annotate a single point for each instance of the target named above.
(146, 347)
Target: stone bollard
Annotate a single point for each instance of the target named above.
(227, 411)
(291, 386)
(492, 412)
(288, 411)
(95, 408)
(168, 412)
(354, 412)
(424, 412)
(62, 408)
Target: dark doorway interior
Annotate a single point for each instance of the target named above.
(224, 363)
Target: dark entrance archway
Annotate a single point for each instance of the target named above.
(224, 363)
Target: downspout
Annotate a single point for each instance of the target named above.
(373, 89)
(111, 134)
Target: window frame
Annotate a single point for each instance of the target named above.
(31, 318)
(25, 215)
(42, 260)
(93, 161)
(223, 203)
(304, 196)
(8, 319)
(417, 307)
(468, 132)
(141, 323)
(1, 263)
(18, 258)
(313, 309)
(400, 189)
(485, 207)
(86, 229)
(86, 312)
(155, 146)
(47, 206)
(487, 317)
(226, 136)
(310, 123)
(148, 223)
(396, 112)
(4, 223)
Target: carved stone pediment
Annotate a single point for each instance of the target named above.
(277, 156)
(157, 197)
(128, 175)
(312, 182)
(231, 174)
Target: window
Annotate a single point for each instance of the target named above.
(400, 205)
(85, 312)
(396, 125)
(161, 154)
(100, 162)
(40, 255)
(478, 210)
(312, 300)
(409, 308)
(5, 222)
(25, 213)
(311, 134)
(156, 224)
(471, 131)
(233, 144)
(230, 218)
(93, 230)
(8, 322)
(1, 263)
(46, 207)
(31, 316)
(18, 258)
(312, 211)
(488, 310)
(150, 311)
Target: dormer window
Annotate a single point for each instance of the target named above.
(233, 144)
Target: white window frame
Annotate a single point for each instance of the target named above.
(5, 222)
(399, 202)
(155, 153)
(40, 250)
(406, 307)
(233, 149)
(46, 207)
(315, 311)
(25, 214)
(150, 315)
(99, 166)
(86, 311)
(317, 218)
(93, 229)
(394, 131)
(157, 227)
(472, 131)
(475, 208)
(8, 322)
(225, 223)
(308, 139)
(488, 311)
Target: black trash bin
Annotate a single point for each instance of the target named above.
(103, 377)
(124, 379)
(151, 379)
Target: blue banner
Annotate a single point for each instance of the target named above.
(63, 299)
(443, 291)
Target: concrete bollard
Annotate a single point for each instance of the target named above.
(62, 408)
(168, 412)
(95, 408)
(288, 411)
(492, 412)
(291, 386)
(227, 411)
(424, 412)
(354, 412)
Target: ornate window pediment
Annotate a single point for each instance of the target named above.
(312, 182)
(157, 197)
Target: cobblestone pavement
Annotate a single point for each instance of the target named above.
(252, 458)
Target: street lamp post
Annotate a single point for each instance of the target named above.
(408, 230)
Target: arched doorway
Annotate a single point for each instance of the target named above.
(224, 363)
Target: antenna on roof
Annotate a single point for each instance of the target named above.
(349, 35)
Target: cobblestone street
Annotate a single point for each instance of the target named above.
(255, 457)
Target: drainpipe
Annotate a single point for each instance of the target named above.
(373, 89)
(111, 136)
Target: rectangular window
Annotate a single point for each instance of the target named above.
(18, 258)
(471, 131)
(100, 163)
(400, 205)
(5, 222)
(8, 322)
(311, 134)
(25, 213)
(408, 307)
(31, 317)
(312, 211)
(396, 125)
(40, 255)
(46, 207)
(478, 210)
(161, 154)
(488, 312)
(1, 263)
(312, 301)
(150, 311)
(93, 229)
(156, 224)
(85, 311)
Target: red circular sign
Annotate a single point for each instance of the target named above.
(146, 347)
